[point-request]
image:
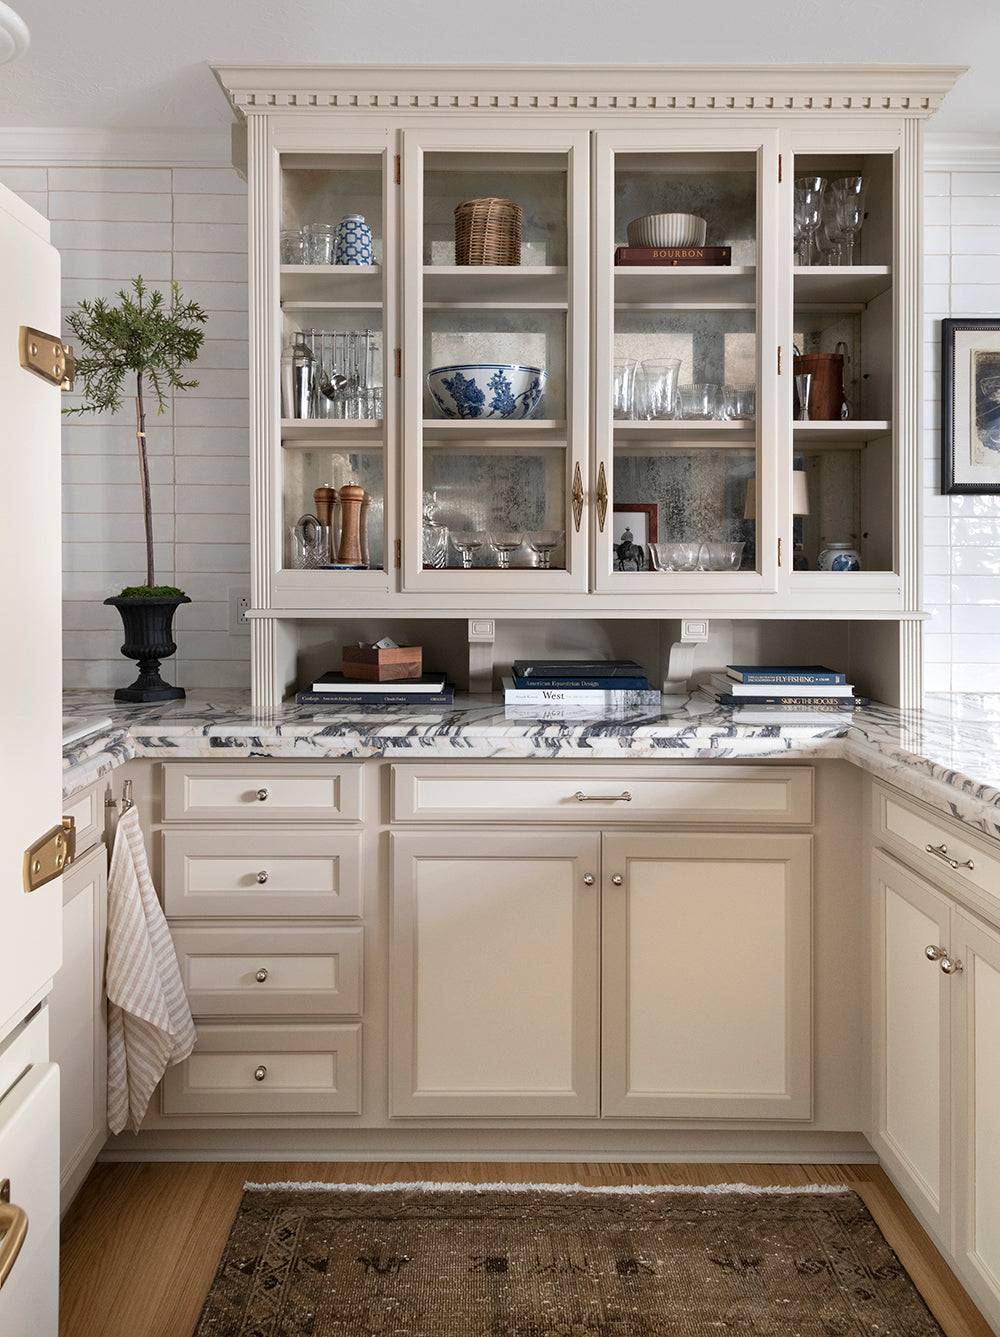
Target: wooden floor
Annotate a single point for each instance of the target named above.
(142, 1241)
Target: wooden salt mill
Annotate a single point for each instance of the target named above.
(325, 499)
(351, 497)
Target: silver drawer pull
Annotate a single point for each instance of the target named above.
(263, 795)
(942, 853)
(259, 1073)
(623, 797)
(261, 975)
(934, 953)
(951, 967)
(262, 876)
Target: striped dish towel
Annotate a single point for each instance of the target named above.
(149, 1021)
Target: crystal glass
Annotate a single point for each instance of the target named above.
(318, 243)
(467, 542)
(699, 402)
(435, 546)
(544, 542)
(809, 192)
(291, 246)
(657, 390)
(740, 401)
(848, 195)
(721, 556)
(504, 542)
(311, 544)
(623, 389)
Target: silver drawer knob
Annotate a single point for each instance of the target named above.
(934, 953)
(263, 795)
(616, 880)
(262, 876)
(261, 975)
(951, 967)
(259, 1073)
(588, 879)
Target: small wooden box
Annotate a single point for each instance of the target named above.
(371, 665)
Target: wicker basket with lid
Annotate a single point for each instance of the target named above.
(487, 232)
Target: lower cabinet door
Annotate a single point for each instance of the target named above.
(977, 1087)
(911, 1047)
(494, 973)
(707, 976)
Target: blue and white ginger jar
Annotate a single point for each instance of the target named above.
(352, 242)
(839, 557)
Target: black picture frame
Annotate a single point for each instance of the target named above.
(970, 405)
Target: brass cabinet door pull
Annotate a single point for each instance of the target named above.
(602, 497)
(577, 496)
(13, 1229)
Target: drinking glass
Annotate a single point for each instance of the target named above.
(310, 544)
(435, 546)
(849, 194)
(467, 542)
(504, 542)
(740, 401)
(623, 389)
(682, 556)
(291, 246)
(658, 387)
(809, 192)
(700, 402)
(721, 556)
(544, 542)
(318, 243)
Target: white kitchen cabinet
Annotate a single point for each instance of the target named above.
(690, 953)
(405, 146)
(78, 1020)
(936, 1030)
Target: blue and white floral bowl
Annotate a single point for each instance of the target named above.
(486, 390)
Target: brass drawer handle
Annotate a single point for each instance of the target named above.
(261, 975)
(13, 1229)
(941, 852)
(259, 1073)
(623, 797)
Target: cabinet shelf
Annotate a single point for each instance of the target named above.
(840, 286)
(331, 285)
(847, 435)
(337, 431)
(495, 285)
(684, 435)
(713, 286)
(460, 432)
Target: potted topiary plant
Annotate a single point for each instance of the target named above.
(152, 341)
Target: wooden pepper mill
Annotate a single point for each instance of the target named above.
(351, 497)
(325, 499)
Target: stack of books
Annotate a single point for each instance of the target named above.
(768, 693)
(558, 688)
(335, 691)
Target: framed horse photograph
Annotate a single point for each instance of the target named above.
(633, 529)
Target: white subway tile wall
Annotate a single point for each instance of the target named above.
(961, 533)
(188, 224)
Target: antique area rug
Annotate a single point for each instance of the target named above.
(443, 1260)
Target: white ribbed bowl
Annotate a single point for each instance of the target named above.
(667, 230)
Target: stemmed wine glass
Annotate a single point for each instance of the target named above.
(467, 542)
(504, 542)
(544, 542)
(809, 192)
(848, 194)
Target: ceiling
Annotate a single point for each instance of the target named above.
(132, 65)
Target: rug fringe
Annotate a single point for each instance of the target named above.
(434, 1186)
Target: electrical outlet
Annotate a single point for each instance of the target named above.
(239, 604)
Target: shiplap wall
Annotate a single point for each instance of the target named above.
(189, 223)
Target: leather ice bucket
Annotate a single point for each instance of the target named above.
(826, 392)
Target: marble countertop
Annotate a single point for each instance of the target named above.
(947, 754)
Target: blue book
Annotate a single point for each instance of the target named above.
(334, 701)
(577, 668)
(581, 684)
(781, 674)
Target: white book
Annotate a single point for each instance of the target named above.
(729, 687)
(569, 696)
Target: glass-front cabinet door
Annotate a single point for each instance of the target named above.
(335, 243)
(845, 391)
(685, 474)
(495, 353)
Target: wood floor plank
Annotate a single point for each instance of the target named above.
(141, 1243)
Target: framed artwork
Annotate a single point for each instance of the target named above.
(633, 528)
(970, 405)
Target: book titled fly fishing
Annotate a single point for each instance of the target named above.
(783, 674)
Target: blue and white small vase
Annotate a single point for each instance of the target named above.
(839, 557)
(352, 242)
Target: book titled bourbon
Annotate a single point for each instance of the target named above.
(673, 255)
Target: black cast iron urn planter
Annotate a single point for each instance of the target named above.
(149, 638)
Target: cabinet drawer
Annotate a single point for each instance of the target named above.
(932, 844)
(271, 971)
(263, 1069)
(608, 795)
(262, 791)
(87, 811)
(256, 874)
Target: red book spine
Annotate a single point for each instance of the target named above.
(673, 255)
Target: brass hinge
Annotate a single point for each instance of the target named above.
(779, 169)
(397, 170)
(399, 558)
(46, 356)
(399, 362)
(779, 552)
(779, 359)
(49, 855)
